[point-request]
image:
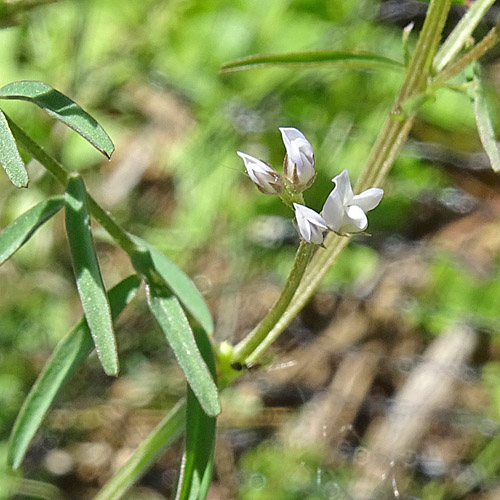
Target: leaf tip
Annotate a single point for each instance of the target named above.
(113, 370)
(109, 361)
(212, 406)
(20, 182)
(216, 410)
(11, 462)
(109, 152)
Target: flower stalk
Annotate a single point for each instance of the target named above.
(249, 349)
(383, 154)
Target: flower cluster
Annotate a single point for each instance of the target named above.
(343, 211)
(298, 166)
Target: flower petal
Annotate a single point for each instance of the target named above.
(316, 235)
(263, 175)
(368, 199)
(290, 134)
(333, 210)
(253, 166)
(355, 221)
(299, 161)
(310, 224)
(344, 184)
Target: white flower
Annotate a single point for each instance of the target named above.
(343, 211)
(298, 166)
(310, 224)
(263, 175)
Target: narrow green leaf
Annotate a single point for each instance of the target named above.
(181, 285)
(88, 275)
(197, 465)
(10, 159)
(62, 108)
(461, 33)
(19, 231)
(21, 487)
(174, 324)
(69, 353)
(165, 432)
(483, 122)
(360, 60)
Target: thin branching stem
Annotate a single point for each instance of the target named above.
(474, 54)
(383, 154)
(460, 34)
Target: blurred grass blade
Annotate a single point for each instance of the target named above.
(88, 275)
(14, 13)
(360, 60)
(461, 33)
(70, 352)
(196, 470)
(483, 122)
(19, 231)
(454, 2)
(174, 324)
(62, 108)
(181, 286)
(144, 456)
(10, 159)
(20, 487)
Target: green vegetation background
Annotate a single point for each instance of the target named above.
(149, 72)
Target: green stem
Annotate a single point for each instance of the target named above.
(392, 137)
(478, 51)
(104, 218)
(395, 130)
(383, 154)
(288, 197)
(461, 33)
(244, 350)
(51, 164)
(57, 170)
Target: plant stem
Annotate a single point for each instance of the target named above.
(391, 138)
(245, 349)
(104, 218)
(383, 154)
(121, 237)
(395, 130)
(51, 164)
(478, 51)
(461, 33)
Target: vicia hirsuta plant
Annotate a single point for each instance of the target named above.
(172, 298)
(343, 211)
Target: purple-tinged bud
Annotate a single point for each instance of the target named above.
(267, 180)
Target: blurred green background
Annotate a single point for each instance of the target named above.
(149, 72)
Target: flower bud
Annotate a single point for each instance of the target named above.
(267, 180)
(310, 224)
(298, 166)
